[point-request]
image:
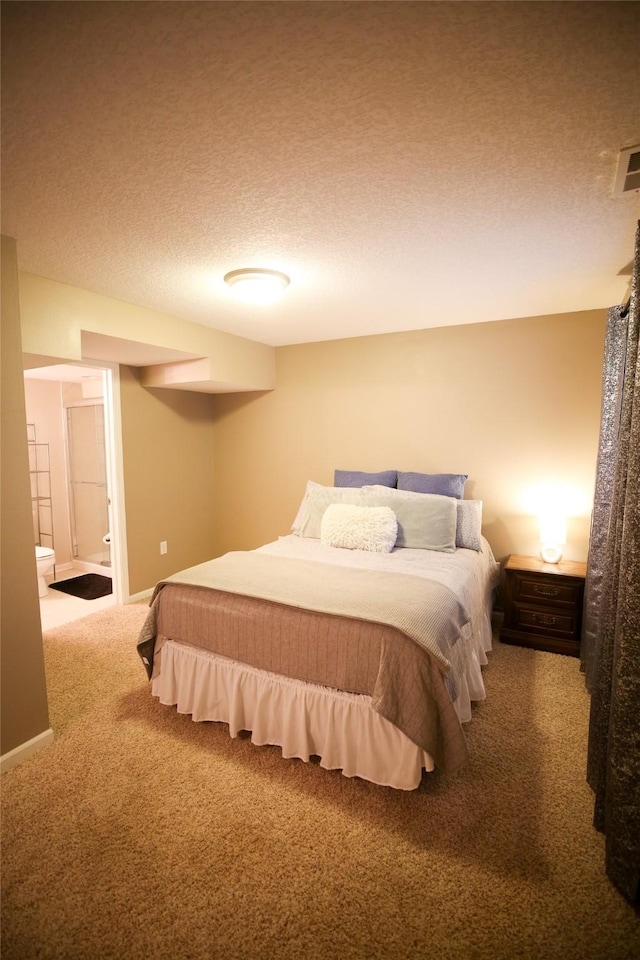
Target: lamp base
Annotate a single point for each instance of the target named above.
(550, 553)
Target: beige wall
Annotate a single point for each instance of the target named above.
(167, 445)
(514, 403)
(54, 316)
(24, 714)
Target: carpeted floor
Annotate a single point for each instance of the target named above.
(139, 834)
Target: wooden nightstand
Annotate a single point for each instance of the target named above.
(543, 604)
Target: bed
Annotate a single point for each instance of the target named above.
(347, 639)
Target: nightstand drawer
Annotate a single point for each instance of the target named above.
(557, 623)
(546, 591)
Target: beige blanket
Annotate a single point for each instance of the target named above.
(424, 610)
(391, 651)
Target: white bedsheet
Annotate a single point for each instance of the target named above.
(303, 719)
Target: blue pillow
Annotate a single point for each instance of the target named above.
(444, 484)
(355, 478)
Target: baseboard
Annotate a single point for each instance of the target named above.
(137, 597)
(80, 567)
(17, 755)
(84, 566)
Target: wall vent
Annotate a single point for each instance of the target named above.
(628, 172)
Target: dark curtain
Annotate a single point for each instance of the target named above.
(611, 628)
(615, 346)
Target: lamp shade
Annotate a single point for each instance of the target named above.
(553, 535)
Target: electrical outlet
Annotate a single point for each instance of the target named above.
(163, 546)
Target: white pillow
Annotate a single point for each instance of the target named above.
(359, 528)
(469, 524)
(316, 501)
(425, 521)
(301, 515)
(468, 513)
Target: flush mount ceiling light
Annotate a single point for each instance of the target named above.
(257, 284)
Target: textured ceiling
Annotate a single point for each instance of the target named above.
(408, 164)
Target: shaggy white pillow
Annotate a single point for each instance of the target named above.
(359, 528)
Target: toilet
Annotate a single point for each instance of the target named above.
(45, 559)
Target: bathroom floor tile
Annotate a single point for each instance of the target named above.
(59, 608)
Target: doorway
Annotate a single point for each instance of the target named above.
(79, 415)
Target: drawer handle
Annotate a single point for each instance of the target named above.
(546, 591)
(544, 621)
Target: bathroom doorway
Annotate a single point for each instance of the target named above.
(76, 412)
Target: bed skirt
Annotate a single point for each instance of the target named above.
(303, 719)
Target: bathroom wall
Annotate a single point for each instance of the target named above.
(43, 399)
(45, 407)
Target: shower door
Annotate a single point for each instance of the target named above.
(89, 498)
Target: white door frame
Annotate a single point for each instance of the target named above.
(115, 477)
